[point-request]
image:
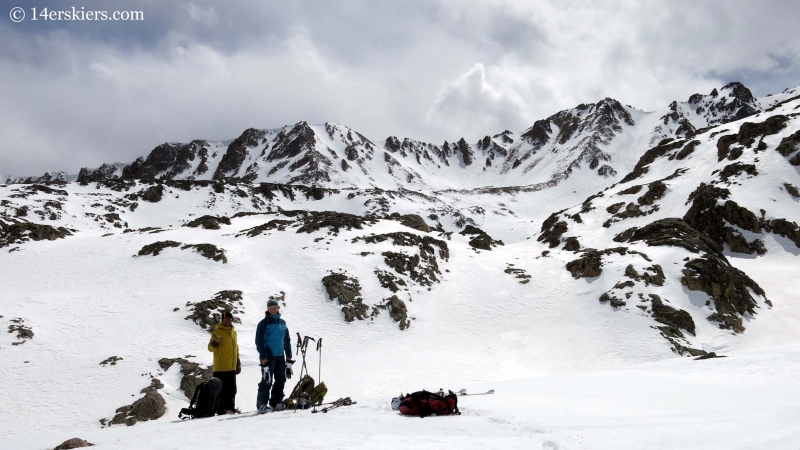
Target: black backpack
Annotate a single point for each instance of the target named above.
(204, 401)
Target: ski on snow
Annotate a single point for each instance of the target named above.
(333, 405)
(463, 392)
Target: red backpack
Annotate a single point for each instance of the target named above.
(424, 404)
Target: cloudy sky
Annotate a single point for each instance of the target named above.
(80, 93)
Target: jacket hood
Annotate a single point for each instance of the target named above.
(220, 326)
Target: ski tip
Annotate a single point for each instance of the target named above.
(491, 391)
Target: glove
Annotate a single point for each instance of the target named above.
(266, 375)
(289, 371)
(215, 340)
(238, 367)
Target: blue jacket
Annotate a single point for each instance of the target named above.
(272, 338)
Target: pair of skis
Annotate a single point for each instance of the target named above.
(335, 404)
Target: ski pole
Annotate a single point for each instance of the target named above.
(319, 349)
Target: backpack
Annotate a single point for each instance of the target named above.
(318, 394)
(306, 386)
(204, 401)
(424, 404)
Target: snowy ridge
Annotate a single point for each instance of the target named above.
(590, 137)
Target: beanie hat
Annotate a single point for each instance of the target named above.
(227, 314)
(272, 302)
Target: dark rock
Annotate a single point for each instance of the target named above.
(209, 222)
(571, 244)
(156, 247)
(315, 220)
(613, 209)
(317, 193)
(587, 266)
(624, 284)
(736, 169)
(709, 356)
(631, 190)
(397, 310)
(650, 156)
(657, 278)
(416, 222)
(18, 233)
(209, 251)
(465, 151)
(208, 313)
(655, 191)
(615, 302)
(23, 331)
(519, 274)
(236, 153)
(275, 224)
(724, 145)
(150, 407)
(482, 240)
(709, 217)
(552, 230)
(749, 132)
(73, 443)
(712, 273)
(192, 373)
(630, 272)
(670, 316)
(687, 150)
(112, 360)
(792, 190)
(786, 229)
(153, 194)
(789, 144)
(388, 280)
(346, 291)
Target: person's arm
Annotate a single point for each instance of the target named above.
(260, 330)
(287, 344)
(213, 343)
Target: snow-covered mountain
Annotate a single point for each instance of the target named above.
(602, 243)
(590, 137)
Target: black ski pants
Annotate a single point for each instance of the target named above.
(227, 397)
(277, 367)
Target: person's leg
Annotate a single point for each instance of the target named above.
(280, 381)
(234, 390)
(228, 392)
(263, 390)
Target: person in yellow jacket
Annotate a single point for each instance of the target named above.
(227, 365)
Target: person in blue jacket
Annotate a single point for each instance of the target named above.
(275, 352)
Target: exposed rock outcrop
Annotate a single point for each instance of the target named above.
(346, 290)
(208, 313)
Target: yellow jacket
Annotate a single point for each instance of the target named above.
(226, 353)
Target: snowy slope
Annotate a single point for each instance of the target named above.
(579, 372)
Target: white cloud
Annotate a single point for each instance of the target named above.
(82, 94)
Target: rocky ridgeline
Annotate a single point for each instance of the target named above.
(334, 155)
